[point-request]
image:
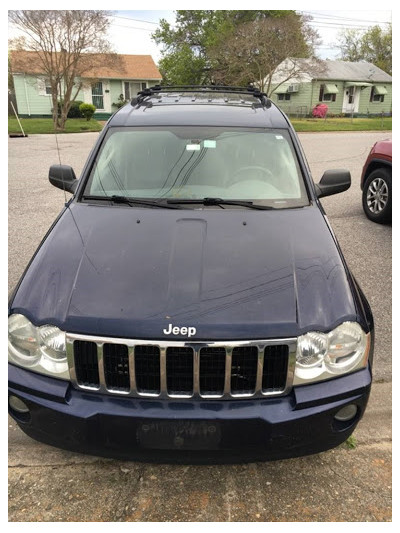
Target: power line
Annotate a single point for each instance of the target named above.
(312, 13)
(136, 20)
(320, 23)
(337, 17)
(131, 27)
(324, 24)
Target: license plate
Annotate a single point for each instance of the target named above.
(179, 435)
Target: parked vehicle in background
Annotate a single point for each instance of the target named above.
(376, 183)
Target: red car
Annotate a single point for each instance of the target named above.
(376, 183)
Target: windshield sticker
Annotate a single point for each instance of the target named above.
(278, 137)
(209, 143)
(193, 147)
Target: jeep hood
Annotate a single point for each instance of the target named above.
(231, 273)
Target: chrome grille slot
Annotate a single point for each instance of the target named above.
(179, 369)
(275, 368)
(116, 367)
(147, 369)
(86, 367)
(212, 371)
(244, 370)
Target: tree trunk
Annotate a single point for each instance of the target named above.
(63, 118)
(54, 100)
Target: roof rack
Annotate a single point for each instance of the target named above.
(250, 91)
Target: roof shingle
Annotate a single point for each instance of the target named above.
(141, 67)
(349, 71)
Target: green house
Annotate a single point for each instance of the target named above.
(361, 88)
(101, 86)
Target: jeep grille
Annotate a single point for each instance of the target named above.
(219, 370)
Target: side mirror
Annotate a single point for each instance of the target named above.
(63, 177)
(333, 182)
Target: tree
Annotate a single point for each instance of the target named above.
(10, 76)
(373, 45)
(183, 67)
(255, 50)
(187, 44)
(67, 44)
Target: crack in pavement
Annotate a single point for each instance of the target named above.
(359, 489)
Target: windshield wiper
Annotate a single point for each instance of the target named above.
(218, 201)
(131, 201)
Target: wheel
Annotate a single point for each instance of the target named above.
(377, 196)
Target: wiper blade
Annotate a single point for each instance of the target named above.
(140, 201)
(218, 201)
(131, 201)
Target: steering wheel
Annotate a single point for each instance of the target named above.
(265, 171)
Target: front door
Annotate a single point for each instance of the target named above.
(351, 99)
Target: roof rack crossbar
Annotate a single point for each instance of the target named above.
(251, 91)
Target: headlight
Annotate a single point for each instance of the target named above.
(323, 356)
(39, 348)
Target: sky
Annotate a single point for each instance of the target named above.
(130, 31)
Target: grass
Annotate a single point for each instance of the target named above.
(45, 125)
(78, 125)
(342, 124)
(351, 442)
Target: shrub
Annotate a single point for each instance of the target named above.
(74, 109)
(120, 102)
(87, 110)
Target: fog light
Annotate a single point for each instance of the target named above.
(346, 413)
(18, 405)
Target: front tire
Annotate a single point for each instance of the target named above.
(377, 196)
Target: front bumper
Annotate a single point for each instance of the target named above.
(185, 431)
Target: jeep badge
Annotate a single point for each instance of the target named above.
(184, 330)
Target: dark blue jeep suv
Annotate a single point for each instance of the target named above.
(191, 302)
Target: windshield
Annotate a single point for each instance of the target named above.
(199, 162)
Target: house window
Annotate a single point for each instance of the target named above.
(284, 96)
(127, 92)
(375, 97)
(131, 88)
(47, 86)
(326, 94)
(97, 95)
(144, 86)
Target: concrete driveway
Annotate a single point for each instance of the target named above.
(47, 484)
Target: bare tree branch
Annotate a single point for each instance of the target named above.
(256, 50)
(67, 45)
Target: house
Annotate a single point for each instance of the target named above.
(358, 88)
(101, 86)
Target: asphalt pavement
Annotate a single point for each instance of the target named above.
(47, 484)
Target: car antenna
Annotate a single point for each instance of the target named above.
(59, 160)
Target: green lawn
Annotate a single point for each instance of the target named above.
(342, 124)
(77, 125)
(45, 125)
